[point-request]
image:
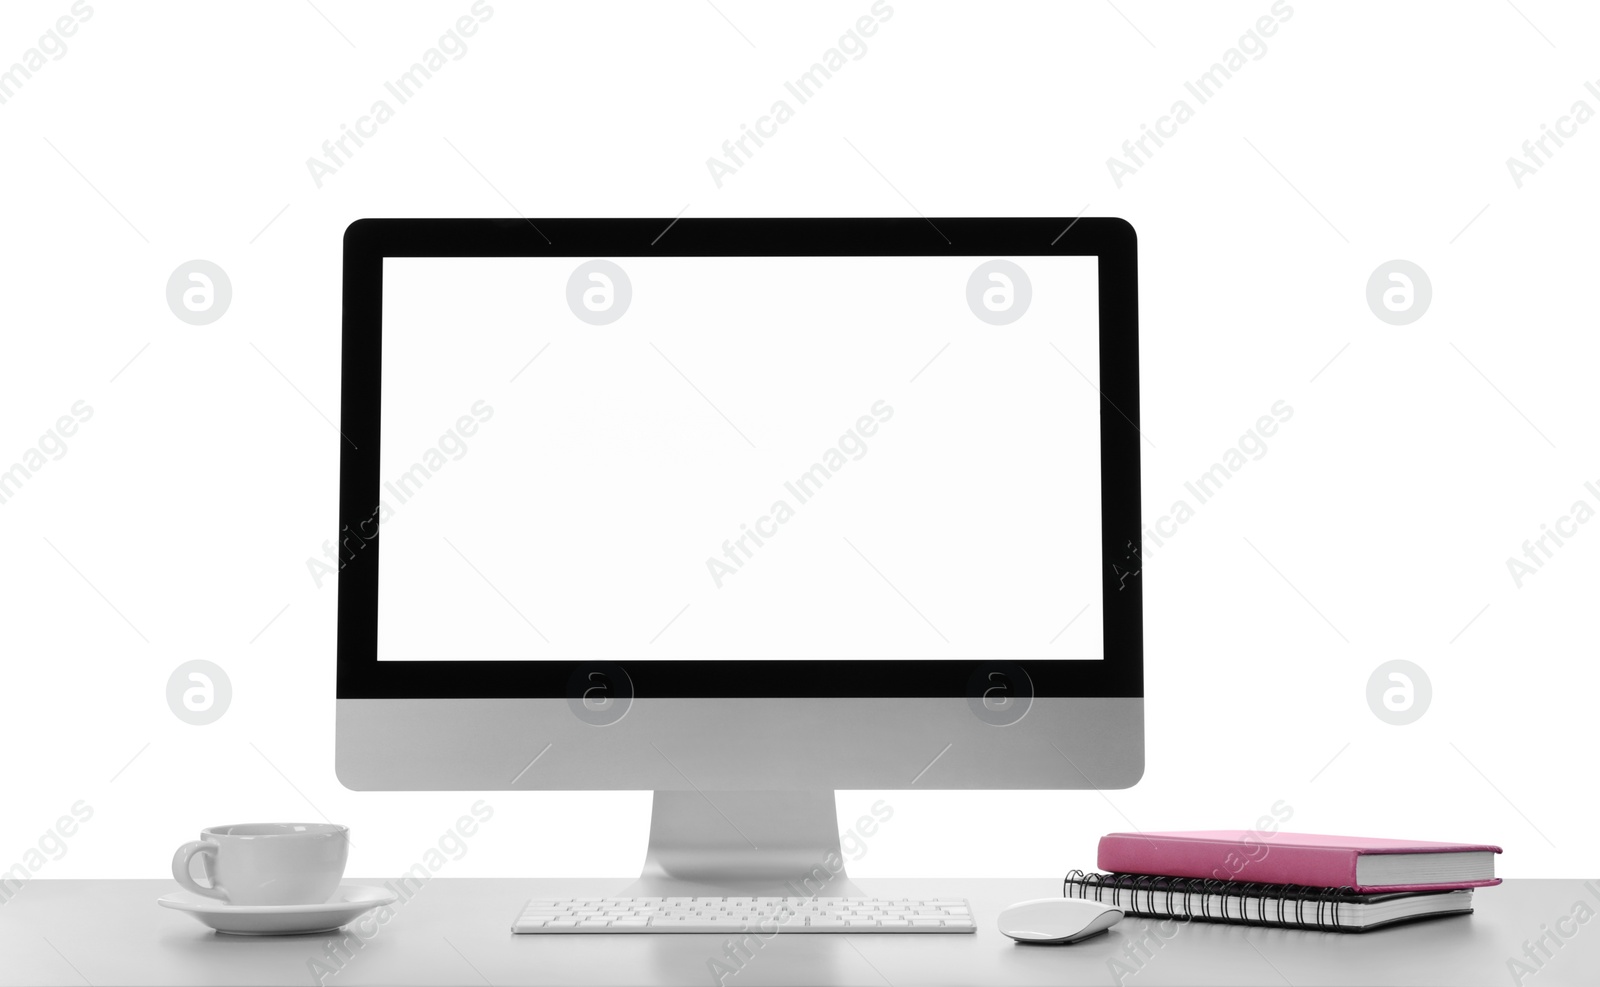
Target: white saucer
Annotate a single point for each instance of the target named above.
(347, 904)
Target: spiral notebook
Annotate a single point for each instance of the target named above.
(1242, 903)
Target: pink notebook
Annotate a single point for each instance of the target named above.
(1363, 864)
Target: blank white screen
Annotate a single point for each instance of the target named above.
(581, 517)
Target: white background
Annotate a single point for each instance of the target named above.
(1376, 527)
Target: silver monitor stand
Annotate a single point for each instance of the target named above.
(756, 844)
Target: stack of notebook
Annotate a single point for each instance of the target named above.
(1341, 883)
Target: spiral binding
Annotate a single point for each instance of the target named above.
(1191, 898)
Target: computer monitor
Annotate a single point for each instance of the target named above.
(742, 512)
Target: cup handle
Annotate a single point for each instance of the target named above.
(180, 869)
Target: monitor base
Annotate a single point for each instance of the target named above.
(751, 844)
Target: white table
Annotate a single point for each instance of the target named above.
(108, 933)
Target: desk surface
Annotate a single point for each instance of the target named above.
(108, 933)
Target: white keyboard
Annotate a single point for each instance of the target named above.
(761, 915)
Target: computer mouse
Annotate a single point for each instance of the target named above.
(1057, 920)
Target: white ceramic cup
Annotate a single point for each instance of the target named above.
(266, 863)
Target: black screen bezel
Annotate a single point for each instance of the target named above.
(368, 241)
